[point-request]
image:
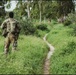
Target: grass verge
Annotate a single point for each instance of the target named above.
(29, 59)
(63, 60)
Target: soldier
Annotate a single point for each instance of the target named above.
(11, 30)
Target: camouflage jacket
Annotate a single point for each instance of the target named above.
(6, 26)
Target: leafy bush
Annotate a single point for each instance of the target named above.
(72, 17)
(67, 22)
(71, 21)
(42, 27)
(27, 27)
(40, 33)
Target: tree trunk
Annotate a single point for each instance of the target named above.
(44, 19)
(40, 10)
(40, 16)
(28, 9)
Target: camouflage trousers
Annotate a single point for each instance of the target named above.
(10, 39)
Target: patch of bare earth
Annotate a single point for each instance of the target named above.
(48, 57)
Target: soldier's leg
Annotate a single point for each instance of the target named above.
(14, 44)
(6, 45)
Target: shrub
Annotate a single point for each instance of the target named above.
(71, 21)
(27, 27)
(40, 33)
(67, 22)
(72, 17)
(42, 27)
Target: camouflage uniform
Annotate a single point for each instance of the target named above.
(10, 37)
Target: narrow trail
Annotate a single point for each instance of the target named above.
(47, 60)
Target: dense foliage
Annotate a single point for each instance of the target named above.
(27, 27)
(71, 22)
(28, 59)
(38, 17)
(44, 9)
(63, 59)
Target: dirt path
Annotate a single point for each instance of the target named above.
(47, 60)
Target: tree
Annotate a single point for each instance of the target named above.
(25, 7)
(41, 9)
(65, 7)
(37, 9)
(28, 8)
(2, 8)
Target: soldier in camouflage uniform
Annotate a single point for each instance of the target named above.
(10, 37)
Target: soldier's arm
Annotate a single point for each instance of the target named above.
(3, 25)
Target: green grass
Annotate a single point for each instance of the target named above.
(63, 60)
(40, 33)
(29, 59)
